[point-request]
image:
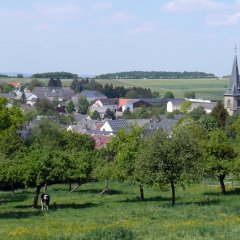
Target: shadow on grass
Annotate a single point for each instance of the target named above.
(151, 199)
(235, 191)
(92, 191)
(9, 198)
(19, 215)
(74, 206)
(200, 203)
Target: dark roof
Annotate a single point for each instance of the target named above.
(8, 95)
(46, 92)
(177, 101)
(109, 101)
(91, 94)
(165, 124)
(117, 124)
(156, 100)
(234, 86)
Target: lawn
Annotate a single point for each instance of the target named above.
(200, 213)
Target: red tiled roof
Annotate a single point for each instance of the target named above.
(14, 84)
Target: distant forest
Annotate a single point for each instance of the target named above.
(61, 75)
(155, 75)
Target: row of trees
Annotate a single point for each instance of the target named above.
(61, 75)
(50, 154)
(155, 75)
(112, 92)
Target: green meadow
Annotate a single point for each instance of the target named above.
(201, 212)
(209, 88)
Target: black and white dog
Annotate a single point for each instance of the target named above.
(45, 200)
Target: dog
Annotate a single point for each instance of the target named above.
(45, 200)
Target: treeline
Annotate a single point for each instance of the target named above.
(61, 75)
(112, 91)
(50, 154)
(155, 75)
(4, 76)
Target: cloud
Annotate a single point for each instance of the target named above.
(190, 5)
(147, 27)
(44, 27)
(119, 17)
(229, 20)
(60, 9)
(12, 13)
(102, 6)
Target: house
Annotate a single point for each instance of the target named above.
(14, 84)
(174, 104)
(52, 93)
(101, 105)
(131, 104)
(101, 140)
(89, 94)
(9, 96)
(208, 107)
(113, 125)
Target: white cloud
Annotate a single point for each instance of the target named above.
(13, 13)
(120, 17)
(147, 27)
(60, 9)
(102, 6)
(189, 5)
(229, 20)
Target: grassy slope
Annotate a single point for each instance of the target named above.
(201, 213)
(204, 88)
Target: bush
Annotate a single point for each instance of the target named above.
(117, 233)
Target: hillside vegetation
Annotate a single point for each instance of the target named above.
(155, 75)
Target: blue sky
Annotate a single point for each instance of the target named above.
(91, 36)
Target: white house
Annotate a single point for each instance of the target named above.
(173, 105)
(113, 125)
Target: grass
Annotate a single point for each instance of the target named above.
(200, 213)
(208, 88)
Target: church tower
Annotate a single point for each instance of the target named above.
(232, 94)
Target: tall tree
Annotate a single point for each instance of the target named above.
(83, 105)
(220, 157)
(166, 160)
(220, 114)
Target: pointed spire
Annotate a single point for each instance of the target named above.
(234, 87)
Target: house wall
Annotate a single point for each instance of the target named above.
(106, 127)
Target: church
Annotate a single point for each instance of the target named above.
(232, 94)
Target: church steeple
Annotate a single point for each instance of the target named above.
(234, 87)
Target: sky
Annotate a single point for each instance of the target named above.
(104, 36)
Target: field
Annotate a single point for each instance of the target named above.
(200, 213)
(204, 88)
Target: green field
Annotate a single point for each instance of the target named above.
(204, 88)
(200, 213)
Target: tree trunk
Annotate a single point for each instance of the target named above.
(45, 187)
(105, 190)
(12, 188)
(35, 201)
(221, 180)
(70, 186)
(173, 191)
(141, 192)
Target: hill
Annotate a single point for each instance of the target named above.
(155, 75)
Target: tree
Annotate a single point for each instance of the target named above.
(165, 160)
(209, 122)
(83, 105)
(220, 114)
(23, 98)
(197, 113)
(190, 95)
(70, 106)
(43, 106)
(127, 113)
(35, 83)
(184, 107)
(109, 114)
(168, 95)
(95, 115)
(219, 155)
